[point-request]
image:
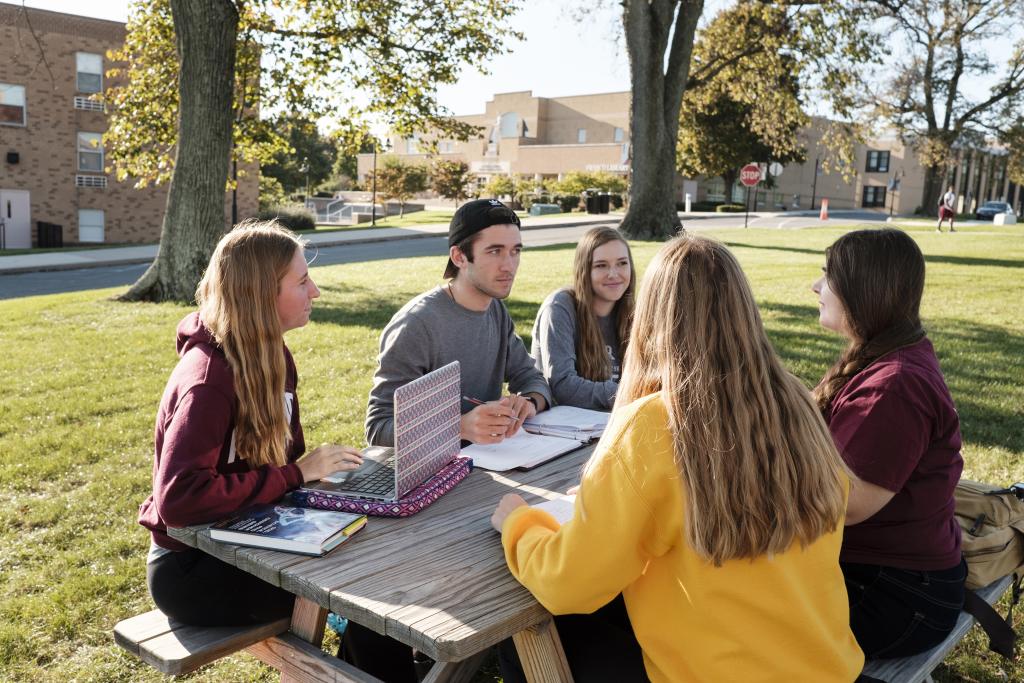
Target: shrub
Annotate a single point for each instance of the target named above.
(292, 217)
(567, 202)
(617, 201)
(730, 208)
(698, 206)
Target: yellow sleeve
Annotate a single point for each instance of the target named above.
(582, 565)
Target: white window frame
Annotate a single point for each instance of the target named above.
(89, 149)
(581, 136)
(7, 91)
(89, 228)
(82, 68)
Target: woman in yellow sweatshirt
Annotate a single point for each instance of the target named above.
(713, 504)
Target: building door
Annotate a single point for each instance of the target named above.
(15, 223)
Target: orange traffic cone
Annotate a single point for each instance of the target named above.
(824, 210)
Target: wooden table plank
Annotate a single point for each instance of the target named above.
(437, 580)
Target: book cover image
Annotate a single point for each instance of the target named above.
(284, 527)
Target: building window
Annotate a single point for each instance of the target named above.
(874, 195)
(90, 225)
(619, 134)
(90, 72)
(508, 125)
(412, 145)
(12, 105)
(90, 152)
(581, 135)
(878, 162)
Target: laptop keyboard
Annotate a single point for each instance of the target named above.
(381, 481)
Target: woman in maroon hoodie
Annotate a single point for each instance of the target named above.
(228, 433)
(893, 420)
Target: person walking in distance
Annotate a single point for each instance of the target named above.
(946, 210)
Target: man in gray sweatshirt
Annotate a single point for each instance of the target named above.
(464, 320)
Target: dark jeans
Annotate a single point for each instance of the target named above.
(897, 612)
(599, 647)
(198, 589)
(381, 656)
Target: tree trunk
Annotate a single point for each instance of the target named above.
(729, 177)
(657, 95)
(932, 190)
(205, 34)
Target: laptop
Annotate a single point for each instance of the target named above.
(427, 414)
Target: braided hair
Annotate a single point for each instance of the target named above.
(878, 276)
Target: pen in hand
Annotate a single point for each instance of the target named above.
(478, 402)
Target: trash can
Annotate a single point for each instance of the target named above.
(604, 202)
(591, 201)
(49, 235)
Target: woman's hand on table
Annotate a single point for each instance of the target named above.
(572, 490)
(327, 459)
(508, 503)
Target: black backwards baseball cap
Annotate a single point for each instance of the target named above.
(471, 218)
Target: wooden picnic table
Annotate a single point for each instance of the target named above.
(436, 581)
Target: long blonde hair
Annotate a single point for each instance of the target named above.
(758, 464)
(237, 300)
(591, 356)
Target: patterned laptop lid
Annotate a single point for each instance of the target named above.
(427, 413)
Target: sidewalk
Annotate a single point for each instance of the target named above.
(94, 258)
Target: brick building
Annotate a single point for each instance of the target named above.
(546, 137)
(53, 167)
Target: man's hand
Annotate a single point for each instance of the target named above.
(523, 408)
(490, 422)
(328, 459)
(508, 503)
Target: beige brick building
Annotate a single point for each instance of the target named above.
(547, 137)
(52, 163)
(544, 137)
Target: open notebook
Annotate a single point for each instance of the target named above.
(524, 450)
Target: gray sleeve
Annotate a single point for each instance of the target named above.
(520, 372)
(404, 356)
(555, 340)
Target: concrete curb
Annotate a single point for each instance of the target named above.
(57, 261)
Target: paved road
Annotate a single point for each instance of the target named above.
(53, 282)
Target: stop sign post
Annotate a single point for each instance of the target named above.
(750, 175)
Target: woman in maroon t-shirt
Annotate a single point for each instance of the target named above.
(893, 420)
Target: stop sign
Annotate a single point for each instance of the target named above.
(750, 175)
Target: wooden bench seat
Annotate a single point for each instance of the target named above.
(919, 667)
(174, 648)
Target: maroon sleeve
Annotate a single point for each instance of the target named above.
(881, 435)
(187, 486)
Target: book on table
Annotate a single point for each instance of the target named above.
(568, 422)
(543, 437)
(293, 529)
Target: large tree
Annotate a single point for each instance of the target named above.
(660, 43)
(936, 51)
(309, 56)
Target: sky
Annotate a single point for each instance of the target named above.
(558, 56)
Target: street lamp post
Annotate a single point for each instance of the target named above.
(373, 197)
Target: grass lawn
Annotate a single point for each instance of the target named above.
(83, 377)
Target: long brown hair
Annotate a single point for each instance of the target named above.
(878, 277)
(237, 300)
(758, 465)
(591, 356)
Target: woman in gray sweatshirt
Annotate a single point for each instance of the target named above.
(581, 332)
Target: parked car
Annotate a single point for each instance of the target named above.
(987, 210)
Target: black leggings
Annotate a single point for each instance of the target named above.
(598, 647)
(897, 612)
(200, 590)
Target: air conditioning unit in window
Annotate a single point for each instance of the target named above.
(89, 104)
(90, 181)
